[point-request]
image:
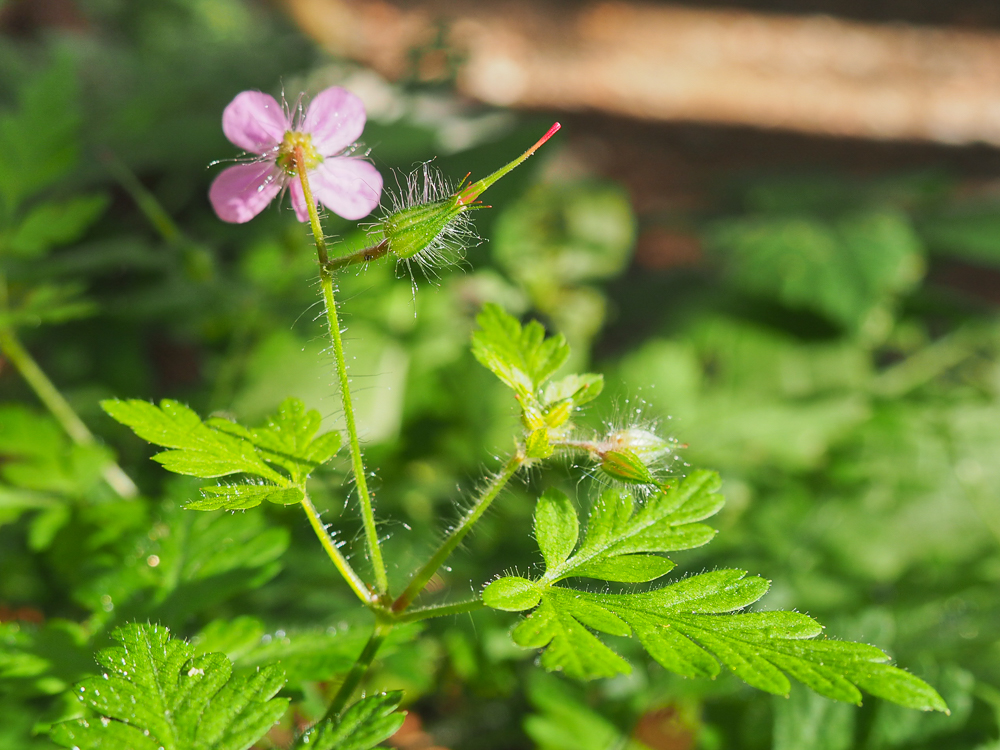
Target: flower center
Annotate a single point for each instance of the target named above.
(286, 152)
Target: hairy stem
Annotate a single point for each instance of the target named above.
(54, 401)
(365, 255)
(424, 575)
(575, 445)
(441, 610)
(352, 578)
(357, 461)
(358, 670)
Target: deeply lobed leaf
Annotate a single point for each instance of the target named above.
(157, 694)
(692, 627)
(361, 727)
(219, 448)
(520, 356)
(619, 536)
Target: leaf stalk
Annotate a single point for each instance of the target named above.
(353, 580)
(424, 575)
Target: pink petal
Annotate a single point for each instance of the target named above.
(298, 199)
(350, 187)
(255, 122)
(242, 191)
(335, 119)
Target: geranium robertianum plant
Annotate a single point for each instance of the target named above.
(157, 693)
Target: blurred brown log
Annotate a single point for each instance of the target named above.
(812, 74)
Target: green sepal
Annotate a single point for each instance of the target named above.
(412, 230)
(626, 466)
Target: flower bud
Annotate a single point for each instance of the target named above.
(626, 466)
(645, 444)
(631, 455)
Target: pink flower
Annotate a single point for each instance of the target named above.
(347, 185)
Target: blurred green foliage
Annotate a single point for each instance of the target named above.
(851, 405)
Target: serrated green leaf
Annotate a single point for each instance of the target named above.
(289, 438)
(522, 357)
(362, 726)
(244, 496)
(569, 646)
(896, 685)
(38, 141)
(198, 449)
(156, 693)
(48, 303)
(578, 388)
(626, 568)
(556, 527)
(55, 223)
(666, 523)
(691, 627)
(512, 594)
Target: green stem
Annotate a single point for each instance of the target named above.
(424, 575)
(365, 255)
(358, 670)
(357, 461)
(145, 200)
(575, 445)
(927, 363)
(353, 580)
(54, 401)
(441, 610)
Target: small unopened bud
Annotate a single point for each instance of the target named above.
(631, 455)
(423, 231)
(645, 444)
(626, 466)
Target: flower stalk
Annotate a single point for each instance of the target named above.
(357, 460)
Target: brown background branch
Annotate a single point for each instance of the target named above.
(812, 74)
